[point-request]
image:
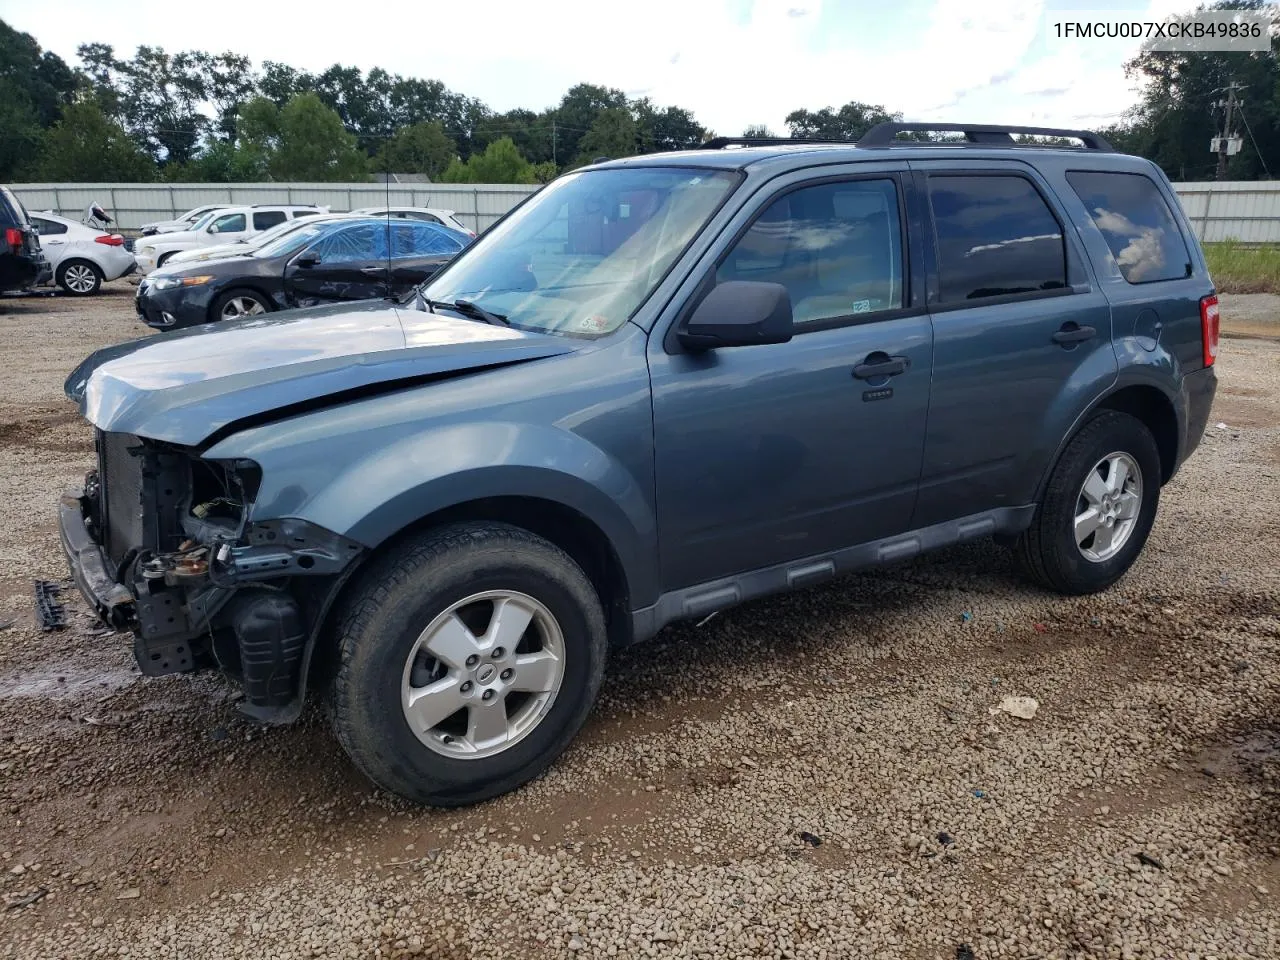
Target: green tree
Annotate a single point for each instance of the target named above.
(418, 148)
(86, 146)
(311, 144)
(501, 162)
(671, 128)
(613, 133)
(758, 130)
(578, 110)
(1179, 111)
(35, 86)
(220, 162)
(850, 122)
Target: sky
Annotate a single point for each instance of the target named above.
(732, 62)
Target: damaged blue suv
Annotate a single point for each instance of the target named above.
(659, 387)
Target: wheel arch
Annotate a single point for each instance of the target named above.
(571, 530)
(1149, 404)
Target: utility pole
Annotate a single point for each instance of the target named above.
(553, 142)
(1229, 108)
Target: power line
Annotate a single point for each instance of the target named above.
(1261, 158)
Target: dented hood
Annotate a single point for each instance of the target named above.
(187, 385)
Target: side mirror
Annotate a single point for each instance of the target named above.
(307, 260)
(739, 313)
(213, 228)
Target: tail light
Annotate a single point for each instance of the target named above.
(110, 239)
(13, 237)
(1209, 327)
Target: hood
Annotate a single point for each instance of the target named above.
(175, 236)
(185, 386)
(215, 252)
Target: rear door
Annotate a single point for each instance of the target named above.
(349, 263)
(418, 250)
(1021, 334)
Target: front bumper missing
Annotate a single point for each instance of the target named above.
(90, 567)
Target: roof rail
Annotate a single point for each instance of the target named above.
(719, 143)
(975, 134)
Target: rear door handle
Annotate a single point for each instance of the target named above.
(888, 367)
(1072, 333)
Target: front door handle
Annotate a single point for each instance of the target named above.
(880, 365)
(1072, 333)
(374, 271)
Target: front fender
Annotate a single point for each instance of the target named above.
(386, 488)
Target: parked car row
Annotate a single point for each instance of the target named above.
(299, 263)
(79, 256)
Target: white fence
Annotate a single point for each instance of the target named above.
(1244, 210)
(1248, 211)
(133, 204)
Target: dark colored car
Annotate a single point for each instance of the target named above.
(659, 387)
(322, 262)
(22, 261)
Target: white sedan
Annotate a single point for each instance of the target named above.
(430, 214)
(81, 257)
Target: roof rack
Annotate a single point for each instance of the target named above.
(719, 143)
(975, 135)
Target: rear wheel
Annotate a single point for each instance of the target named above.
(467, 661)
(80, 278)
(1098, 508)
(238, 303)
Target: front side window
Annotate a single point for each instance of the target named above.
(996, 238)
(363, 242)
(836, 247)
(1136, 222)
(230, 223)
(582, 255)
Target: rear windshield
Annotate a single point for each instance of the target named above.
(11, 208)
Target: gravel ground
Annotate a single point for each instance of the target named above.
(813, 776)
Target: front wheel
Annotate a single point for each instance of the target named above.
(1098, 508)
(467, 661)
(238, 303)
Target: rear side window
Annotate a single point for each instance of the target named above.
(1136, 222)
(426, 240)
(836, 247)
(266, 219)
(11, 211)
(996, 238)
(48, 228)
(304, 213)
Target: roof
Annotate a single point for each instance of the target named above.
(977, 141)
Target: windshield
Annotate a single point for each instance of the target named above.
(269, 236)
(287, 243)
(584, 253)
(202, 222)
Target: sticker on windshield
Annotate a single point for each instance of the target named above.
(862, 306)
(593, 324)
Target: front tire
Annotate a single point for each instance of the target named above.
(80, 278)
(467, 661)
(238, 303)
(1098, 508)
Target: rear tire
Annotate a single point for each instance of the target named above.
(1097, 510)
(79, 278)
(522, 645)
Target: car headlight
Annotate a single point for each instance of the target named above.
(146, 251)
(171, 283)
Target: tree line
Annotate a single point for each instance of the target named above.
(194, 116)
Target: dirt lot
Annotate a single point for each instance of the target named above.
(812, 776)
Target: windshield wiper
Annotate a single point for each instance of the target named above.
(469, 309)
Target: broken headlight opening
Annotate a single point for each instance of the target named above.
(181, 562)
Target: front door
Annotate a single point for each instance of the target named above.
(1021, 334)
(766, 454)
(347, 264)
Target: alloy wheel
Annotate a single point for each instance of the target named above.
(242, 307)
(79, 278)
(483, 674)
(1107, 507)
